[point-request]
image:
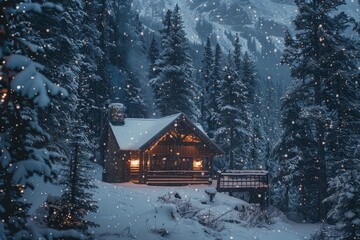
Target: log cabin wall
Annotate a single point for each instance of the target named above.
(180, 150)
(116, 162)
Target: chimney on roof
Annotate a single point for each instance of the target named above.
(117, 113)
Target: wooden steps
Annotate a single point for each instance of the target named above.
(177, 178)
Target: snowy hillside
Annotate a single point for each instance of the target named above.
(260, 23)
(254, 19)
(130, 211)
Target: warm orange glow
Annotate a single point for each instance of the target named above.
(197, 164)
(3, 95)
(134, 163)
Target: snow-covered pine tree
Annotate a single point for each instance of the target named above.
(76, 65)
(311, 59)
(174, 88)
(237, 56)
(296, 178)
(243, 105)
(215, 90)
(257, 145)
(232, 132)
(23, 89)
(153, 55)
(139, 30)
(341, 92)
(133, 98)
(249, 79)
(77, 199)
(205, 96)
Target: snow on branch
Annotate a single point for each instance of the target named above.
(29, 82)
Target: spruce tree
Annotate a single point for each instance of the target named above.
(133, 98)
(205, 85)
(306, 49)
(23, 90)
(249, 78)
(215, 91)
(232, 131)
(153, 55)
(322, 59)
(174, 87)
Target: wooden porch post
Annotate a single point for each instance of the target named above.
(141, 167)
(210, 166)
(146, 158)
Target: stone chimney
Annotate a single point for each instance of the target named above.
(117, 113)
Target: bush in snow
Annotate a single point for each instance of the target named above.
(184, 207)
(211, 220)
(253, 216)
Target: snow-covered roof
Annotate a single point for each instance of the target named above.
(138, 131)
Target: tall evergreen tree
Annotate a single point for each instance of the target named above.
(322, 59)
(232, 131)
(139, 30)
(153, 55)
(205, 85)
(215, 91)
(174, 88)
(249, 78)
(23, 90)
(73, 132)
(133, 98)
(307, 49)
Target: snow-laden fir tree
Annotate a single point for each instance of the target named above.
(232, 133)
(69, 121)
(257, 144)
(153, 55)
(342, 95)
(249, 79)
(205, 85)
(322, 60)
(174, 88)
(133, 97)
(126, 65)
(139, 30)
(305, 56)
(215, 92)
(23, 90)
(295, 180)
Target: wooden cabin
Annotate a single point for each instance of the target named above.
(167, 151)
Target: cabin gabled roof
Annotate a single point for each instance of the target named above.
(142, 133)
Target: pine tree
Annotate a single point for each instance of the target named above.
(321, 59)
(76, 201)
(207, 65)
(153, 55)
(23, 90)
(303, 50)
(232, 132)
(174, 87)
(249, 78)
(237, 56)
(215, 91)
(341, 91)
(294, 152)
(73, 130)
(133, 98)
(139, 30)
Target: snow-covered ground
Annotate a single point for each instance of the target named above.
(130, 211)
